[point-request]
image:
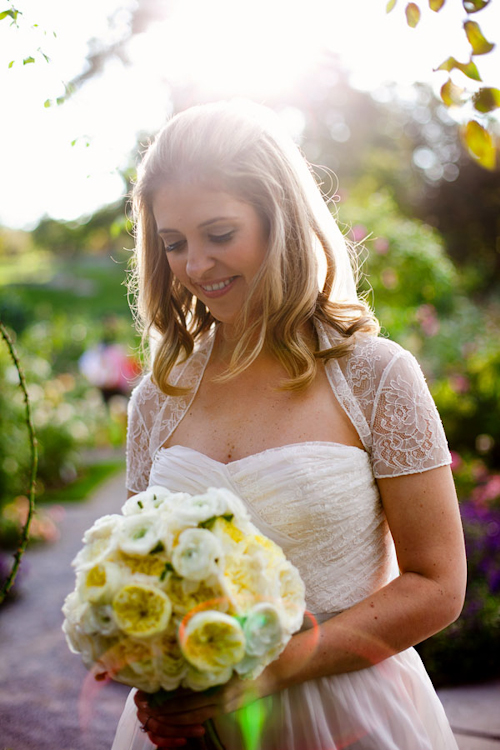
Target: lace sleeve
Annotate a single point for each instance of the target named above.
(408, 435)
(138, 438)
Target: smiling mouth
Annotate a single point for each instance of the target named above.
(217, 286)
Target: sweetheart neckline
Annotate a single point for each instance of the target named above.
(263, 452)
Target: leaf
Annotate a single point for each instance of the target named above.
(472, 6)
(451, 94)
(436, 5)
(480, 46)
(390, 5)
(160, 547)
(28, 60)
(11, 13)
(412, 15)
(11, 63)
(47, 103)
(469, 69)
(486, 100)
(480, 144)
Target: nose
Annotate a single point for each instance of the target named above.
(199, 262)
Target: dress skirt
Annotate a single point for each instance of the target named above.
(390, 706)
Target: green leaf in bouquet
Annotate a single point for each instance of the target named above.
(468, 69)
(140, 504)
(472, 6)
(412, 15)
(160, 547)
(210, 521)
(480, 144)
(167, 569)
(480, 45)
(486, 99)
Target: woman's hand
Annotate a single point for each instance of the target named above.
(183, 715)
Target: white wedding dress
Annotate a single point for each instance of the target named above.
(319, 501)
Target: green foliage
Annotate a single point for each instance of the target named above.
(406, 267)
(418, 297)
(479, 45)
(481, 140)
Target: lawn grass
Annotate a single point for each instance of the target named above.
(88, 479)
(83, 286)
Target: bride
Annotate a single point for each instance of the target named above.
(269, 378)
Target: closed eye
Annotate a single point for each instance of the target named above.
(220, 238)
(174, 246)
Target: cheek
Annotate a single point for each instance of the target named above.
(175, 264)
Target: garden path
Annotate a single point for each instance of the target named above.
(42, 701)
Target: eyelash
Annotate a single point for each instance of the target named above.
(221, 238)
(218, 239)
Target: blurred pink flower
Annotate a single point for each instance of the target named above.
(389, 278)
(381, 246)
(427, 317)
(459, 383)
(358, 232)
(456, 461)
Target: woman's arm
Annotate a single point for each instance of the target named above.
(423, 516)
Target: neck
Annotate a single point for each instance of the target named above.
(226, 340)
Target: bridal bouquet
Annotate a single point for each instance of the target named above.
(181, 590)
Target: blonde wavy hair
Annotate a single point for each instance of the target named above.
(241, 148)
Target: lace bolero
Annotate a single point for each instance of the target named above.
(379, 385)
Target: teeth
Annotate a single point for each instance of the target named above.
(215, 287)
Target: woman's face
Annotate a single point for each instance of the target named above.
(214, 242)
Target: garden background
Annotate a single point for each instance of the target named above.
(424, 215)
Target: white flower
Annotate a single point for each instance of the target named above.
(197, 509)
(196, 680)
(99, 583)
(212, 641)
(197, 554)
(292, 595)
(98, 619)
(100, 542)
(131, 662)
(262, 628)
(151, 499)
(171, 666)
(139, 534)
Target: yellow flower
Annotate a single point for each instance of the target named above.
(212, 641)
(131, 663)
(170, 664)
(141, 611)
(99, 583)
(149, 565)
(184, 600)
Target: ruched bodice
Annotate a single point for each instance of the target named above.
(318, 501)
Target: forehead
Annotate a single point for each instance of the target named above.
(189, 205)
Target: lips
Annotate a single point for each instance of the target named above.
(217, 288)
(217, 285)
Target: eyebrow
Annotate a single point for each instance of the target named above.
(203, 223)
